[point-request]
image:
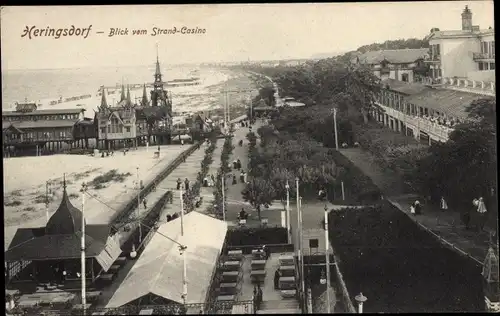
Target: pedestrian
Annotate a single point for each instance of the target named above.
(443, 204)
(235, 164)
(144, 202)
(277, 276)
(186, 184)
(418, 208)
(169, 218)
(234, 179)
(259, 294)
(245, 177)
(179, 182)
(238, 162)
(213, 178)
(242, 176)
(205, 182)
(481, 214)
(267, 251)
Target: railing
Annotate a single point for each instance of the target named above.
(432, 58)
(132, 204)
(474, 86)
(171, 309)
(481, 56)
(437, 131)
(385, 70)
(274, 248)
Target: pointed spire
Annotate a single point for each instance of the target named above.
(64, 181)
(122, 97)
(104, 103)
(158, 71)
(129, 100)
(144, 101)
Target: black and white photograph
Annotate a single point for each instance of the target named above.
(274, 158)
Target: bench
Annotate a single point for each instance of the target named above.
(235, 254)
(146, 312)
(258, 276)
(225, 298)
(287, 271)
(287, 261)
(230, 276)
(258, 264)
(232, 265)
(108, 277)
(287, 283)
(228, 288)
(121, 260)
(114, 268)
(288, 293)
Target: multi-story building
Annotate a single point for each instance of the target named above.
(427, 113)
(128, 124)
(398, 64)
(468, 53)
(46, 130)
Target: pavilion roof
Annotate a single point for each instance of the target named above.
(61, 239)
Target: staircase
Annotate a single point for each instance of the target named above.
(285, 306)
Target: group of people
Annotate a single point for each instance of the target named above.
(441, 120)
(209, 181)
(186, 184)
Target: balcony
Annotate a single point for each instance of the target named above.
(467, 85)
(432, 59)
(483, 56)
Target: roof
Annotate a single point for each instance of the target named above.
(67, 219)
(40, 124)
(9, 126)
(61, 238)
(450, 102)
(159, 268)
(394, 56)
(460, 33)
(404, 87)
(43, 112)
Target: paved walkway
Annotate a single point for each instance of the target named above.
(446, 225)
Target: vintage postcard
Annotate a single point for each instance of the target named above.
(250, 158)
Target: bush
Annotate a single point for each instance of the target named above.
(256, 236)
(112, 175)
(12, 203)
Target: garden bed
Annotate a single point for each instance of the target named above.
(399, 267)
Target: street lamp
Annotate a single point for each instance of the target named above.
(327, 259)
(335, 128)
(360, 298)
(287, 187)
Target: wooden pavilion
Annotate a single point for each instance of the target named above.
(52, 254)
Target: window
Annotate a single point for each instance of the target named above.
(438, 49)
(440, 73)
(492, 66)
(127, 129)
(493, 48)
(484, 47)
(480, 66)
(103, 130)
(404, 77)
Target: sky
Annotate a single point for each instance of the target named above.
(232, 32)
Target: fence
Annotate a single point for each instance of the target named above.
(132, 204)
(171, 309)
(346, 299)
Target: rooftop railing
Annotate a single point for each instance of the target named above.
(463, 84)
(481, 56)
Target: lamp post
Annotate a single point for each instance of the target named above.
(183, 252)
(139, 206)
(84, 295)
(335, 128)
(47, 200)
(327, 258)
(302, 253)
(360, 299)
(287, 187)
(223, 179)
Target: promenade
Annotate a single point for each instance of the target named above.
(445, 225)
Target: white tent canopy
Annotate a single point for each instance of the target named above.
(159, 268)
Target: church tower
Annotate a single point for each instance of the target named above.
(159, 96)
(467, 19)
(104, 103)
(129, 100)
(122, 97)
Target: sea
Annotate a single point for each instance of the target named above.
(45, 85)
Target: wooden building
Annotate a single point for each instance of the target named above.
(41, 254)
(27, 129)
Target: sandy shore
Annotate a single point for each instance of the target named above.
(25, 178)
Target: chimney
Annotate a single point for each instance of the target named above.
(466, 19)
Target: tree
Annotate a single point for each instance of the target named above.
(258, 192)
